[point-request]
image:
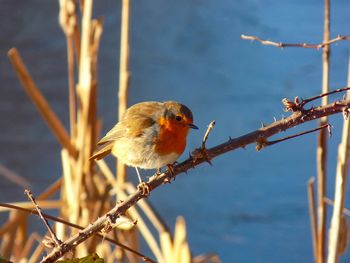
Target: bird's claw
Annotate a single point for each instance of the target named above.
(144, 188)
(171, 170)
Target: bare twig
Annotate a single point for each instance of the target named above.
(300, 45)
(202, 151)
(304, 101)
(268, 143)
(295, 119)
(40, 214)
(208, 131)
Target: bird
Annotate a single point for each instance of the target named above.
(150, 135)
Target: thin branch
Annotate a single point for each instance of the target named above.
(304, 101)
(208, 131)
(296, 118)
(52, 233)
(300, 45)
(269, 143)
(60, 220)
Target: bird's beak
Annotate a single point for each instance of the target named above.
(192, 126)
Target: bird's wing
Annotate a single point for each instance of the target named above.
(135, 119)
(127, 128)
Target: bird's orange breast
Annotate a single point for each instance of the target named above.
(171, 138)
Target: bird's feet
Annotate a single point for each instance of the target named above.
(171, 169)
(144, 188)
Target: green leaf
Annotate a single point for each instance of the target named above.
(94, 258)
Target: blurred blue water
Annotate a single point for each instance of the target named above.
(250, 206)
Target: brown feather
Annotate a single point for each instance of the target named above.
(102, 152)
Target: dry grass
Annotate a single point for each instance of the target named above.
(88, 190)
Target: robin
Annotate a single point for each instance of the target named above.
(149, 136)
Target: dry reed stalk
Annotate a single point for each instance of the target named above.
(312, 211)
(134, 241)
(47, 204)
(8, 238)
(107, 173)
(144, 230)
(71, 87)
(37, 254)
(68, 194)
(97, 29)
(143, 204)
(10, 225)
(105, 252)
(322, 144)
(166, 244)
(181, 251)
(206, 258)
(340, 190)
(124, 76)
(13, 177)
(122, 255)
(149, 211)
(20, 236)
(50, 190)
(83, 91)
(68, 22)
(40, 102)
(34, 237)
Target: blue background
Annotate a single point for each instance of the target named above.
(250, 206)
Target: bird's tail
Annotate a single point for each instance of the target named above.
(102, 152)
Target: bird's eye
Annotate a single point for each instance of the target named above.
(178, 118)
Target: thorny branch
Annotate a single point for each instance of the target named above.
(302, 45)
(299, 115)
(60, 220)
